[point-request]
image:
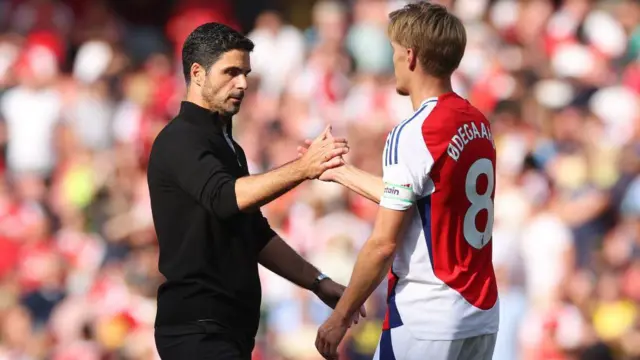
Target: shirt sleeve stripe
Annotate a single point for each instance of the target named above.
(397, 133)
(398, 199)
(386, 151)
(390, 147)
(399, 185)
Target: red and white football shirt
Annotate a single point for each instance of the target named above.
(440, 165)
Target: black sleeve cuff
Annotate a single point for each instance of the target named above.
(228, 203)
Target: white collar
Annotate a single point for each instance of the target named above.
(435, 98)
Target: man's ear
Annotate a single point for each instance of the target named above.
(198, 74)
(412, 59)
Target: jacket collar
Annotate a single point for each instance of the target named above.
(204, 118)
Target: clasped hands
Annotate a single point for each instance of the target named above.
(323, 155)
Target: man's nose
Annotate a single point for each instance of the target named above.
(241, 82)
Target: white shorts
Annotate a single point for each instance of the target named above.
(399, 344)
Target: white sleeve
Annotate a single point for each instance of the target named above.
(406, 169)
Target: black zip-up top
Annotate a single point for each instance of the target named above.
(208, 247)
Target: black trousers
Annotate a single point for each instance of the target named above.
(207, 345)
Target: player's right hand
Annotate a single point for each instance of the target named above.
(303, 149)
(323, 153)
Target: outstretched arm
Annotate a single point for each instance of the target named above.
(199, 172)
(359, 181)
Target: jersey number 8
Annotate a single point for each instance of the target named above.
(476, 238)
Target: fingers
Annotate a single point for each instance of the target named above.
(301, 151)
(328, 353)
(327, 132)
(306, 143)
(356, 319)
(339, 141)
(333, 163)
(324, 140)
(319, 155)
(340, 146)
(324, 135)
(333, 350)
(338, 151)
(363, 311)
(335, 142)
(304, 148)
(323, 347)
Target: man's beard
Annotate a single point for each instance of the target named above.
(209, 97)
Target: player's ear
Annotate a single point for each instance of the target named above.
(412, 59)
(198, 74)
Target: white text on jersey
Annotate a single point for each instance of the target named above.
(467, 133)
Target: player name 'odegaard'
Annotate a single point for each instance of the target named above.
(467, 133)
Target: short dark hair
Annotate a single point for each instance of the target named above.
(206, 44)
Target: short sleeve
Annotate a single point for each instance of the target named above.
(199, 172)
(406, 166)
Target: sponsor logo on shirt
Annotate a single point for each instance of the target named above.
(391, 191)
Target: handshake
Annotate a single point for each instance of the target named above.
(321, 158)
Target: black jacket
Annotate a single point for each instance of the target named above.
(208, 247)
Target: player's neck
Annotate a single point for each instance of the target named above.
(427, 88)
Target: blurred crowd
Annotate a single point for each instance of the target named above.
(86, 85)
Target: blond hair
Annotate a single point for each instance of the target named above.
(436, 36)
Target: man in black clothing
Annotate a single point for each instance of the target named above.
(206, 210)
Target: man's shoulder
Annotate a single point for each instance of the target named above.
(445, 120)
(176, 132)
(174, 136)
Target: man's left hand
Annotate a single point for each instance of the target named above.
(330, 334)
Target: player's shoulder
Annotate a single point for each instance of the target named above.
(452, 109)
(413, 126)
(451, 112)
(406, 137)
